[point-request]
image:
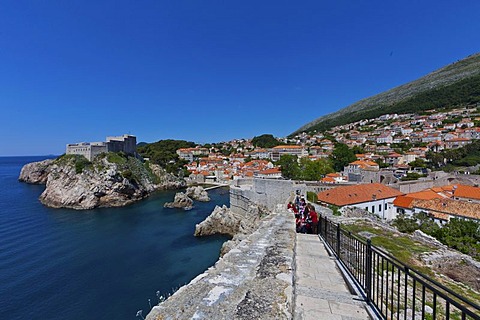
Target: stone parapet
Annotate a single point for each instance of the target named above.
(252, 281)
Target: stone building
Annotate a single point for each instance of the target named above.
(125, 143)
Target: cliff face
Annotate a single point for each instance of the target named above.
(106, 182)
(36, 172)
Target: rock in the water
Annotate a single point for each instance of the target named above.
(36, 172)
(181, 200)
(198, 193)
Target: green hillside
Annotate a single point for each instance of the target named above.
(457, 84)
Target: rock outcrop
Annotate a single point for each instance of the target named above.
(197, 193)
(73, 182)
(36, 172)
(225, 221)
(181, 201)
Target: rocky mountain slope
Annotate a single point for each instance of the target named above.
(110, 180)
(461, 78)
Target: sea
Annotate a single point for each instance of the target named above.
(106, 263)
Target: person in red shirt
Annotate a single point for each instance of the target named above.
(314, 217)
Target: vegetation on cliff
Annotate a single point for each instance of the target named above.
(164, 153)
(457, 84)
(462, 235)
(128, 166)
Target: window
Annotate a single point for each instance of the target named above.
(366, 208)
(380, 207)
(385, 206)
(373, 209)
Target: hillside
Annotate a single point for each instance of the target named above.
(455, 84)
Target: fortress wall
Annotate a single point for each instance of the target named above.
(267, 192)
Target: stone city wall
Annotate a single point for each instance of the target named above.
(266, 192)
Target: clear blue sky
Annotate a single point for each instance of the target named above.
(208, 71)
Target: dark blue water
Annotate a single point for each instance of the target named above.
(96, 264)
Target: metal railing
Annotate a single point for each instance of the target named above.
(391, 288)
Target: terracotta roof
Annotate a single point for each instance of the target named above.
(270, 171)
(346, 195)
(328, 180)
(403, 202)
(364, 163)
(288, 147)
(469, 192)
(427, 194)
(451, 207)
(334, 175)
(394, 155)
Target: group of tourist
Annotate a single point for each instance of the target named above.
(306, 218)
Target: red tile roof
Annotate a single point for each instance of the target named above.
(469, 192)
(347, 195)
(403, 202)
(451, 207)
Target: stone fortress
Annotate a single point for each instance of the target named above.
(125, 143)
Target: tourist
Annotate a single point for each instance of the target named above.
(291, 207)
(314, 218)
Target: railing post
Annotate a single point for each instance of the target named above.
(326, 234)
(369, 271)
(338, 241)
(320, 219)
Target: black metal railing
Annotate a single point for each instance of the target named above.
(391, 288)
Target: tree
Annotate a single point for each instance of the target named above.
(418, 163)
(341, 156)
(314, 170)
(265, 141)
(381, 163)
(164, 153)
(289, 166)
(435, 158)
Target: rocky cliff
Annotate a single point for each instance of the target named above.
(111, 180)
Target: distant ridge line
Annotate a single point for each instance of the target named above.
(450, 74)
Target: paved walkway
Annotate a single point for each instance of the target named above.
(320, 291)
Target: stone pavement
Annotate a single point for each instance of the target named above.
(320, 291)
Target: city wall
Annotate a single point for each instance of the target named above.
(266, 192)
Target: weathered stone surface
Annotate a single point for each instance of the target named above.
(224, 221)
(252, 281)
(198, 193)
(181, 201)
(36, 172)
(101, 184)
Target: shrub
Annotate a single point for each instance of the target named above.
(312, 196)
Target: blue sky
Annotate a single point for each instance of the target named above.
(208, 71)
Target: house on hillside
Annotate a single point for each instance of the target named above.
(278, 151)
(354, 171)
(374, 197)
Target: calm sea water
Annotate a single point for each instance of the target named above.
(96, 264)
